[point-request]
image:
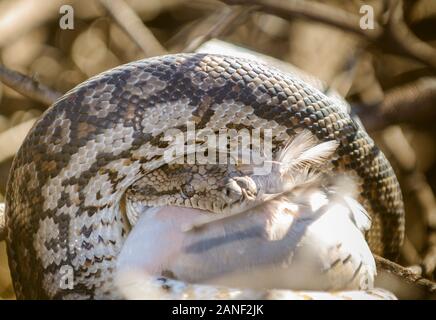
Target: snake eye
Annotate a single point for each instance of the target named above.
(187, 191)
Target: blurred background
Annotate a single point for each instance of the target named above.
(387, 73)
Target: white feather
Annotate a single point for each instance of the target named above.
(315, 156)
(296, 146)
(298, 163)
(305, 152)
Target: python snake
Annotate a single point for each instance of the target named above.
(102, 145)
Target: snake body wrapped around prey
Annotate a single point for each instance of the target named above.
(102, 145)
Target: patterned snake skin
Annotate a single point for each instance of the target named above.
(104, 138)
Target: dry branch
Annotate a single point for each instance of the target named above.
(25, 15)
(400, 38)
(413, 104)
(429, 261)
(2, 222)
(27, 86)
(316, 11)
(394, 36)
(406, 274)
(129, 21)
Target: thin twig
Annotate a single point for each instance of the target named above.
(27, 86)
(344, 80)
(405, 274)
(129, 21)
(228, 18)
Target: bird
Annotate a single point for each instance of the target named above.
(302, 235)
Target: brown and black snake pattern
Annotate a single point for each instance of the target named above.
(88, 149)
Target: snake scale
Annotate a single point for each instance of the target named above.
(67, 183)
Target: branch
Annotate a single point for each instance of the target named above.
(2, 222)
(316, 11)
(129, 21)
(27, 86)
(25, 15)
(394, 36)
(405, 274)
(397, 35)
(412, 103)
